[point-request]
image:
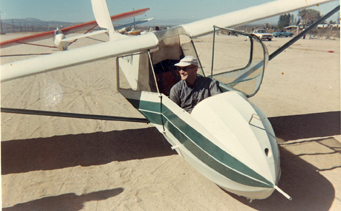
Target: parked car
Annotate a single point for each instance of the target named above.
(262, 34)
(282, 33)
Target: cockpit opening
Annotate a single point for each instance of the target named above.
(154, 70)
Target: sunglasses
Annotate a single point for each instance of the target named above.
(186, 68)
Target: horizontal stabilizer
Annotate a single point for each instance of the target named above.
(70, 39)
(133, 23)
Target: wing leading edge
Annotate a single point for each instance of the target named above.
(251, 14)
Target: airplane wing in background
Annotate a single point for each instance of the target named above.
(88, 26)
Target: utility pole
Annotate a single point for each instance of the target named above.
(2, 30)
(13, 26)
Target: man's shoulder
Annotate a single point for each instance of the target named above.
(205, 80)
(178, 86)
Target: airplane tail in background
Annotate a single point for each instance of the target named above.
(102, 16)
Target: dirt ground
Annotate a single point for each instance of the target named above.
(55, 163)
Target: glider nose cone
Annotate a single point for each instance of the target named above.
(243, 132)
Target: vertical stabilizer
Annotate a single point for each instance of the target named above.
(102, 16)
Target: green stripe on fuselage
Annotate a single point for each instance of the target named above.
(150, 110)
(200, 146)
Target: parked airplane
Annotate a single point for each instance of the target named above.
(62, 42)
(226, 138)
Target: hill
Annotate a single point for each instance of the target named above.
(32, 25)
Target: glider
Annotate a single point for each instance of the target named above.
(226, 138)
(87, 27)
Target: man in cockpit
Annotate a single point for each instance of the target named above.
(192, 88)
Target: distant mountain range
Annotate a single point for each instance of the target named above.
(32, 24)
(36, 25)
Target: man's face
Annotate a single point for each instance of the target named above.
(188, 73)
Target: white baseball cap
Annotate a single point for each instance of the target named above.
(187, 61)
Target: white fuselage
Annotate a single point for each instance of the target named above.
(226, 139)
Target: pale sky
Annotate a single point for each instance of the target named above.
(176, 11)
